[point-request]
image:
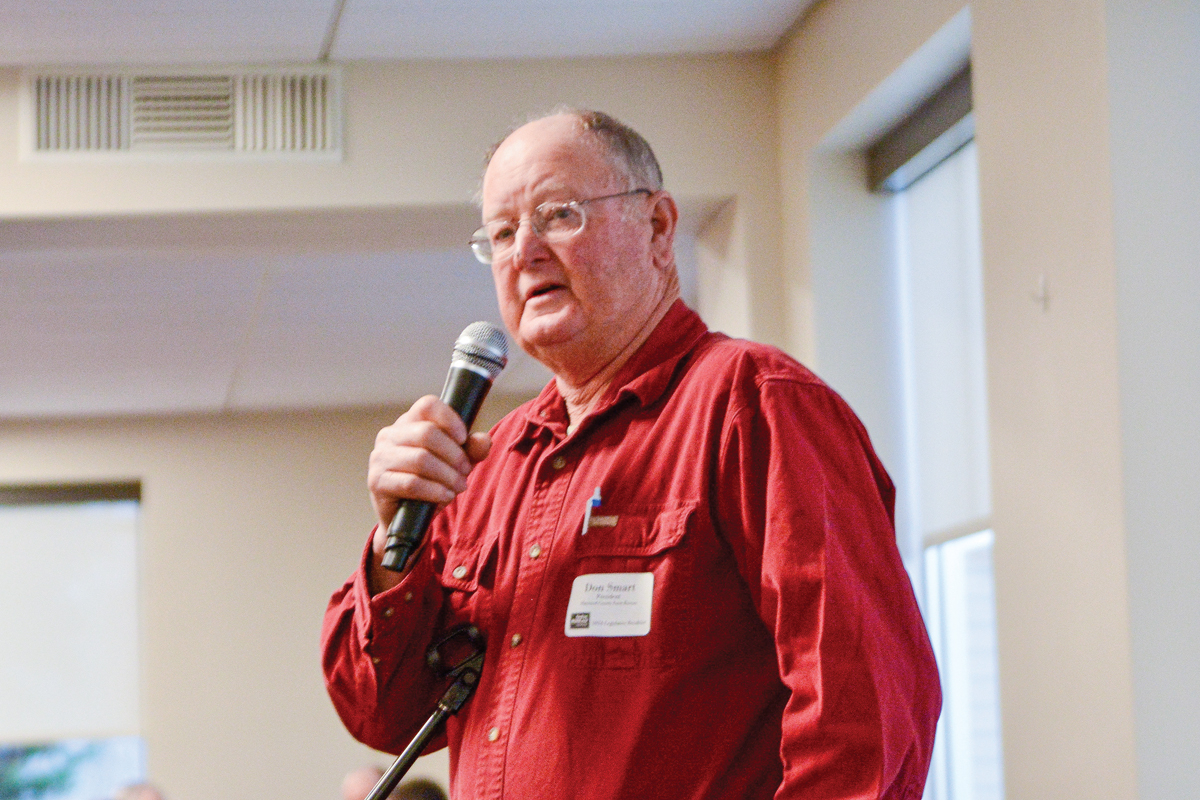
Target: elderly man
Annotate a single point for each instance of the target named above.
(681, 553)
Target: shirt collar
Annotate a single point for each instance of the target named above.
(644, 377)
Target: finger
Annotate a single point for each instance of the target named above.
(478, 446)
(392, 487)
(432, 409)
(389, 489)
(397, 474)
(421, 435)
(421, 462)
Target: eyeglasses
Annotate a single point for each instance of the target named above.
(551, 222)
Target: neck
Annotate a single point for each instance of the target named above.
(582, 390)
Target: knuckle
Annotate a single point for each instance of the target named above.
(429, 465)
(424, 431)
(424, 408)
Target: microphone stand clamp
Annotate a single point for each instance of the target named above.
(467, 643)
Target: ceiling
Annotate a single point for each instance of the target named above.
(258, 311)
(247, 311)
(245, 31)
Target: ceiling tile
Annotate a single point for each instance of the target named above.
(182, 32)
(169, 32)
(89, 332)
(388, 29)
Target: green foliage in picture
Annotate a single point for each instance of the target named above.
(30, 772)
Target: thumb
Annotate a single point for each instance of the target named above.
(478, 446)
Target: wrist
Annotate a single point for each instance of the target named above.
(379, 578)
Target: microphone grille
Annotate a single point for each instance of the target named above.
(483, 345)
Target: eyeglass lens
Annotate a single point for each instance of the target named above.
(550, 221)
(553, 222)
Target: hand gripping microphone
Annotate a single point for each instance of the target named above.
(479, 356)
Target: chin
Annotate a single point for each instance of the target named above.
(543, 343)
(545, 330)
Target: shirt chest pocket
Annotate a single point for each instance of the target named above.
(654, 540)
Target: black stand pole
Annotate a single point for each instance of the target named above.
(466, 676)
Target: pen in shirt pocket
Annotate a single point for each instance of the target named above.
(593, 520)
(592, 503)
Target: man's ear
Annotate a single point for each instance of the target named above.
(664, 216)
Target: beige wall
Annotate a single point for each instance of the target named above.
(1042, 135)
(1060, 552)
(247, 524)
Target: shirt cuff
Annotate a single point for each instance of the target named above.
(381, 617)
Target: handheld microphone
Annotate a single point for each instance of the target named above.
(480, 354)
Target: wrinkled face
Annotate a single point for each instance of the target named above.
(586, 297)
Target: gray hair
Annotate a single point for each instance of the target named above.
(627, 149)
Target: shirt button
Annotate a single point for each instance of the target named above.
(374, 659)
(559, 462)
(387, 612)
(493, 734)
(535, 551)
(516, 639)
(460, 572)
(408, 597)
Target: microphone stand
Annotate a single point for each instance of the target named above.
(466, 676)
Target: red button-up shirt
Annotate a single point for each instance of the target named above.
(785, 655)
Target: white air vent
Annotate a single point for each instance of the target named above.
(218, 111)
(80, 112)
(181, 112)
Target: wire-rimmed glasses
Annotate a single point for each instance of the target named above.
(551, 222)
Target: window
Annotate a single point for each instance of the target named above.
(939, 271)
(960, 608)
(69, 623)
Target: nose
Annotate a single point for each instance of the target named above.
(528, 245)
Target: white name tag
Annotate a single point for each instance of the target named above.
(611, 604)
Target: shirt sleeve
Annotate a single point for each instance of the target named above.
(807, 509)
(373, 655)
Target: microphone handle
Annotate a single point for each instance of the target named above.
(464, 392)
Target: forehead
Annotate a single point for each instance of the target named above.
(545, 156)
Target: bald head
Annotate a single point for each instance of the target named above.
(139, 791)
(359, 783)
(627, 151)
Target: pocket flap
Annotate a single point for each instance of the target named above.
(638, 532)
(464, 562)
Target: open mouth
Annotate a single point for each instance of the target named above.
(538, 291)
